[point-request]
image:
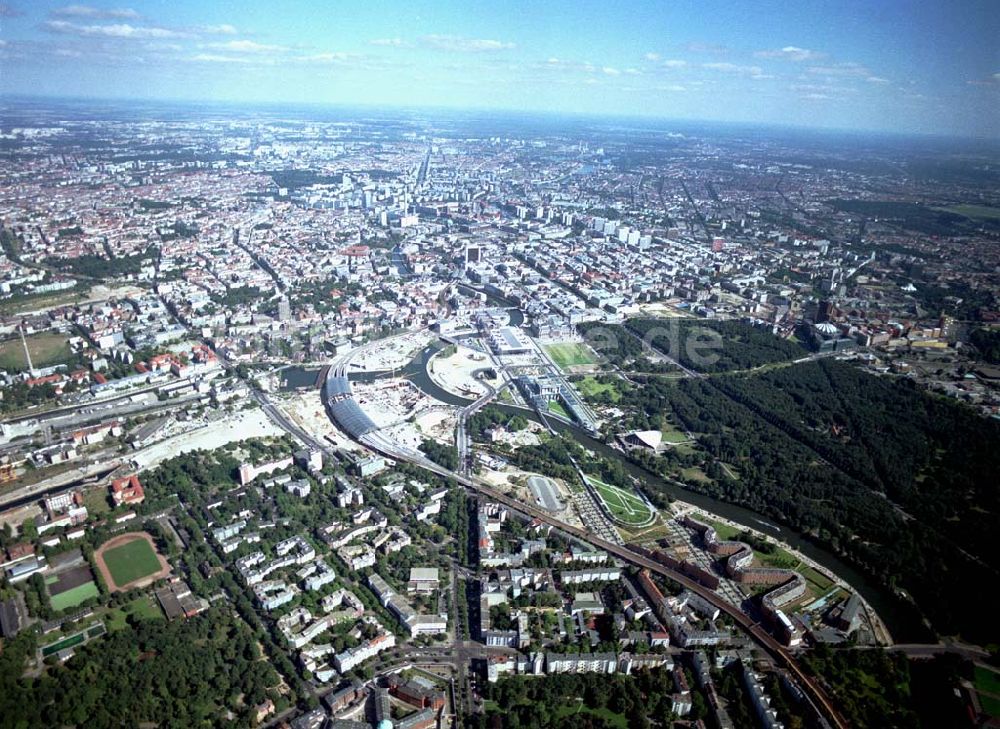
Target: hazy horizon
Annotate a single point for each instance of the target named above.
(101, 105)
(910, 67)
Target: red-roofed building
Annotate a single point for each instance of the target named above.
(201, 353)
(162, 361)
(127, 490)
(80, 376)
(97, 433)
(55, 379)
(416, 695)
(19, 551)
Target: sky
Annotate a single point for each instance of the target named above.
(882, 65)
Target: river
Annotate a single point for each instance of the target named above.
(296, 378)
(900, 618)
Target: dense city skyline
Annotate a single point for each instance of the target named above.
(554, 406)
(441, 365)
(905, 67)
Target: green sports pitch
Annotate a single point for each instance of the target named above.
(131, 561)
(625, 506)
(569, 354)
(74, 596)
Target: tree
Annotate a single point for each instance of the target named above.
(28, 529)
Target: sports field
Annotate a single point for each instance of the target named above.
(569, 354)
(70, 587)
(130, 558)
(46, 349)
(623, 505)
(74, 596)
(987, 680)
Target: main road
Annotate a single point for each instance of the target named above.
(462, 441)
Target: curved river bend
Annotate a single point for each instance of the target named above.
(900, 618)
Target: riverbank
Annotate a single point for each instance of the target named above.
(899, 621)
(879, 629)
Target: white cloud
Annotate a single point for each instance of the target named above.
(459, 44)
(823, 90)
(652, 56)
(751, 71)
(117, 30)
(877, 80)
(330, 57)
(993, 80)
(86, 11)
(579, 66)
(848, 68)
(633, 71)
(216, 58)
(816, 96)
(610, 71)
(674, 63)
(223, 29)
(700, 47)
(246, 46)
(792, 53)
(390, 42)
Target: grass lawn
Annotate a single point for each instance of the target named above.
(990, 705)
(557, 408)
(569, 354)
(781, 558)
(816, 580)
(47, 348)
(672, 435)
(567, 711)
(590, 388)
(38, 302)
(646, 534)
(723, 531)
(132, 561)
(685, 448)
(696, 474)
(976, 212)
(144, 608)
(96, 500)
(623, 505)
(74, 596)
(987, 680)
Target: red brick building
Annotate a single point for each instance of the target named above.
(127, 490)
